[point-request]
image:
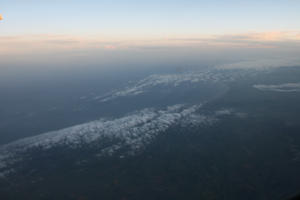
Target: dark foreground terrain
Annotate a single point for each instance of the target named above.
(241, 141)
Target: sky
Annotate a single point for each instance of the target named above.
(148, 18)
(72, 27)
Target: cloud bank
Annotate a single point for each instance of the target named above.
(21, 44)
(127, 135)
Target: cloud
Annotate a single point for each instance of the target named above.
(266, 36)
(130, 133)
(36, 44)
(33, 45)
(110, 47)
(62, 41)
(171, 80)
(251, 40)
(262, 63)
(286, 87)
(124, 136)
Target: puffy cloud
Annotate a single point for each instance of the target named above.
(127, 135)
(131, 132)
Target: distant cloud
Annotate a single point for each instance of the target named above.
(262, 64)
(35, 44)
(110, 47)
(258, 40)
(286, 87)
(62, 41)
(266, 36)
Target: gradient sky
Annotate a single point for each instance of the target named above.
(31, 27)
(148, 18)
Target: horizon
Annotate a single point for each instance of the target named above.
(44, 31)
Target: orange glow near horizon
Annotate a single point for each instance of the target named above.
(44, 43)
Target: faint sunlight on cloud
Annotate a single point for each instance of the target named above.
(248, 40)
(270, 36)
(36, 44)
(262, 63)
(110, 47)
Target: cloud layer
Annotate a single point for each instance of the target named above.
(128, 134)
(21, 44)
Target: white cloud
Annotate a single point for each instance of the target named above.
(133, 131)
(223, 112)
(173, 80)
(129, 134)
(286, 87)
(262, 64)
